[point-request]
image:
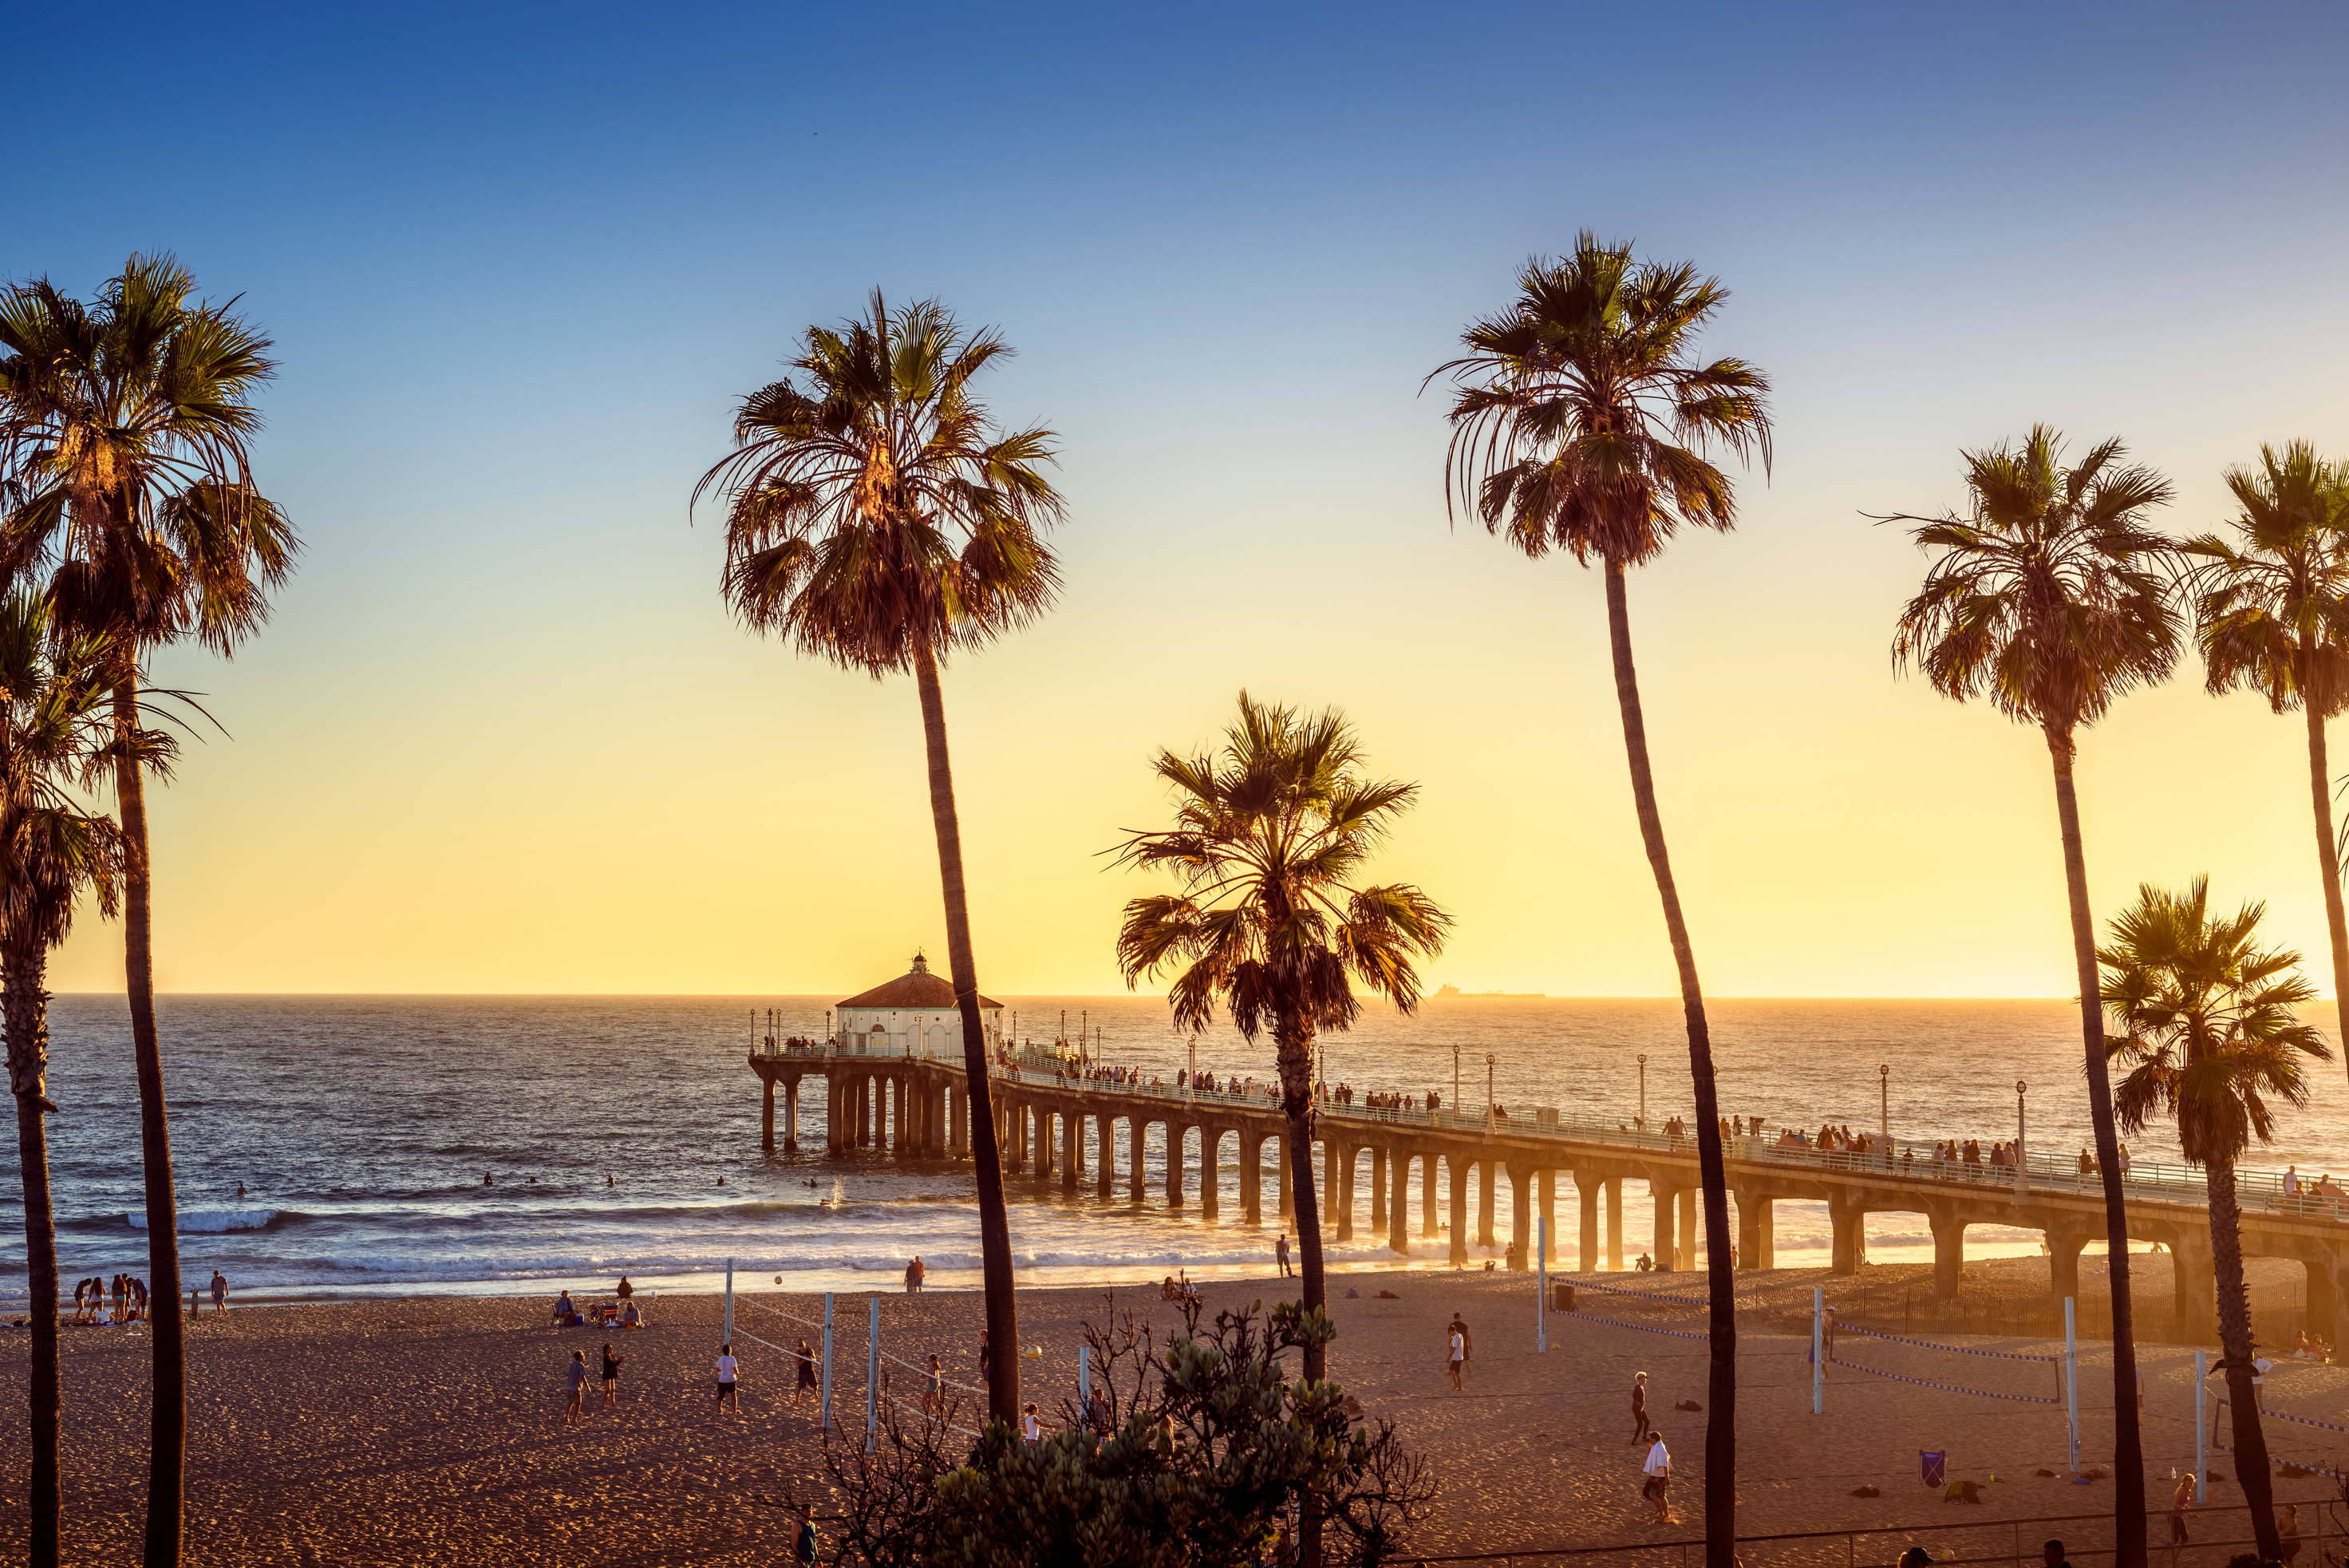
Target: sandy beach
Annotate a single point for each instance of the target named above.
(429, 1430)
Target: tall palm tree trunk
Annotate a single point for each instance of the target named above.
(994, 1219)
(168, 1454)
(1293, 1044)
(2128, 1451)
(2328, 864)
(2235, 1339)
(23, 1005)
(1721, 1419)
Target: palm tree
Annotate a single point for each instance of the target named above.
(1267, 837)
(877, 518)
(2048, 597)
(124, 435)
(53, 727)
(2210, 1041)
(1581, 422)
(1269, 833)
(2274, 615)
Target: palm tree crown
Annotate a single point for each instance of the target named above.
(2210, 1033)
(1270, 831)
(2048, 596)
(2273, 606)
(125, 432)
(1582, 411)
(873, 507)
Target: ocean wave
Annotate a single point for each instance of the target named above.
(211, 1222)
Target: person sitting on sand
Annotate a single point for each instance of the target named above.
(625, 1289)
(632, 1318)
(564, 1310)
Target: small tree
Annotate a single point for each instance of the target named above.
(1211, 1445)
(2211, 1040)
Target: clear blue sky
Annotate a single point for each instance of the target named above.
(502, 736)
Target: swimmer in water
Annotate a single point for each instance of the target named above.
(721, 1181)
(240, 1189)
(488, 1180)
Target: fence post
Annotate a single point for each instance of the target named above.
(824, 1423)
(2202, 1428)
(728, 1338)
(2072, 1382)
(873, 1379)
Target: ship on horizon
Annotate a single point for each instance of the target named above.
(1450, 992)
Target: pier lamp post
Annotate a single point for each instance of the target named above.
(1489, 1101)
(1455, 1080)
(830, 1041)
(1643, 1091)
(2022, 1172)
(1884, 1109)
(1191, 1084)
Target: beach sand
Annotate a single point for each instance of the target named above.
(429, 1430)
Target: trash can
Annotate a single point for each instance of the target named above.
(1561, 1296)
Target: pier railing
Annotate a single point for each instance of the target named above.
(1905, 1159)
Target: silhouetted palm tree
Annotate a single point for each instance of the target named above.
(2274, 615)
(53, 728)
(1269, 835)
(1581, 424)
(124, 427)
(1270, 832)
(2048, 597)
(2210, 1041)
(877, 518)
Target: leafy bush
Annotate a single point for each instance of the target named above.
(1199, 1455)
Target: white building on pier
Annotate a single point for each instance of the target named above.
(912, 1015)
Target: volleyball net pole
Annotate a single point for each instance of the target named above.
(1818, 1352)
(2071, 1381)
(824, 1425)
(1541, 1286)
(728, 1337)
(873, 1379)
(2201, 1426)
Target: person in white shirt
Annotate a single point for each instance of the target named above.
(728, 1369)
(1029, 1427)
(1459, 1353)
(1657, 1488)
(2261, 1366)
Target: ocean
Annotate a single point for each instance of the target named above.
(623, 1133)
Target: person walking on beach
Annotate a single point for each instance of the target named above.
(727, 1369)
(1638, 1406)
(921, 1274)
(934, 1397)
(1281, 1252)
(1657, 1489)
(805, 1382)
(1467, 1345)
(575, 1379)
(2181, 1509)
(1459, 1351)
(220, 1292)
(611, 1375)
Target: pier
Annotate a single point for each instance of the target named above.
(1049, 1125)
